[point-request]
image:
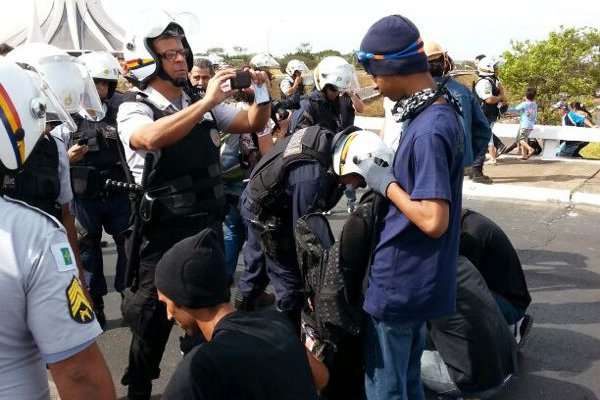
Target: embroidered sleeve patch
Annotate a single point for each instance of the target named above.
(80, 308)
(63, 256)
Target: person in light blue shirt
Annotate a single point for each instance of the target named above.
(527, 111)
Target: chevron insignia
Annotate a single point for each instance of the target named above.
(80, 308)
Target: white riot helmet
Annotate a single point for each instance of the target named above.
(102, 66)
(350, 149)
(486, 66)
(66, 76)
(296, 65)
(263, 60)
(24, 98)
(337, 72)
(142, 61)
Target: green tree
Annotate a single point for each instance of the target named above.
(568, 61)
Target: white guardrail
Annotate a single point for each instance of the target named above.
(550, 134)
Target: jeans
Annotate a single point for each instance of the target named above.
(393, 360)
(511, 313)
(436, 377)
(234, 232)
(112, 214)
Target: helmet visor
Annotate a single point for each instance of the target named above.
(75, 95)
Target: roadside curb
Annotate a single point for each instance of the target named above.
(528, 193)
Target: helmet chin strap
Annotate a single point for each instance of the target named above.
(176, 82)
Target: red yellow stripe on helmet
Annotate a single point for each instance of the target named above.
(12, 123)
(139, 63)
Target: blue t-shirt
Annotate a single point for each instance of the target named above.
(413, 276)
(527, 114)
(576, 119)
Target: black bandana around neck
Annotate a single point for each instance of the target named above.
(413, 105)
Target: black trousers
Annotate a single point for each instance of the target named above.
(144, 313)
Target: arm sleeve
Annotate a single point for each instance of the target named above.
(285, 85)
(432, 162)
(305, 185)
(302, 117)
(483, 89)
(65, 195)
(130, 117)
(51, 300)
(224, 115)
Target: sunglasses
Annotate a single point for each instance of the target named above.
(171, 55)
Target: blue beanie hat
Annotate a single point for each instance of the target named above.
(393, 46)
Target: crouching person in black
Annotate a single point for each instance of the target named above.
(471, 353)
(247, 356)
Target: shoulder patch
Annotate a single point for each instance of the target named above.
(64, 257)
(79, 306)
(294, 146)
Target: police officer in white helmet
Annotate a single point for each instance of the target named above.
(46, 318)
(45, 182)
(184, 192)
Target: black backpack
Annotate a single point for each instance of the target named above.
(334, 272)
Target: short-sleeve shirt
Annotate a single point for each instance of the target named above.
(45, 318)
(413, 276)
(132, 115)
(285, 85)
(484, 89)
(252, 356)
(527, 114)
(61, 137)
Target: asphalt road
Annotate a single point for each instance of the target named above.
(560, 249)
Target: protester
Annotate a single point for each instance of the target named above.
(47, 321)
(570, 117)
(184, 186)
(489, 249)
(254, 356)
(475, 125)
(472, 355)
(421, 226)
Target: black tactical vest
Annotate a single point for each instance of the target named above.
(266, 188)
(100, 163)
(491, 111)
(325, 113)
(186, 180)
(38, 183)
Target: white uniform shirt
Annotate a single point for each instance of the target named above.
(44, 317)
(483, 88)
(286, 84)
(132, 115)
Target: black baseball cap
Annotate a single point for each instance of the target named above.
(192, 272)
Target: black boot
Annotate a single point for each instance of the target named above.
(477, 176)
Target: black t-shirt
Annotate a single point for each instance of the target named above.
(252, 356)
(490, 250)
(474, 342)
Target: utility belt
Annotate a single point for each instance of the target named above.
(273, 235)
(89, 182)
(182, 198)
